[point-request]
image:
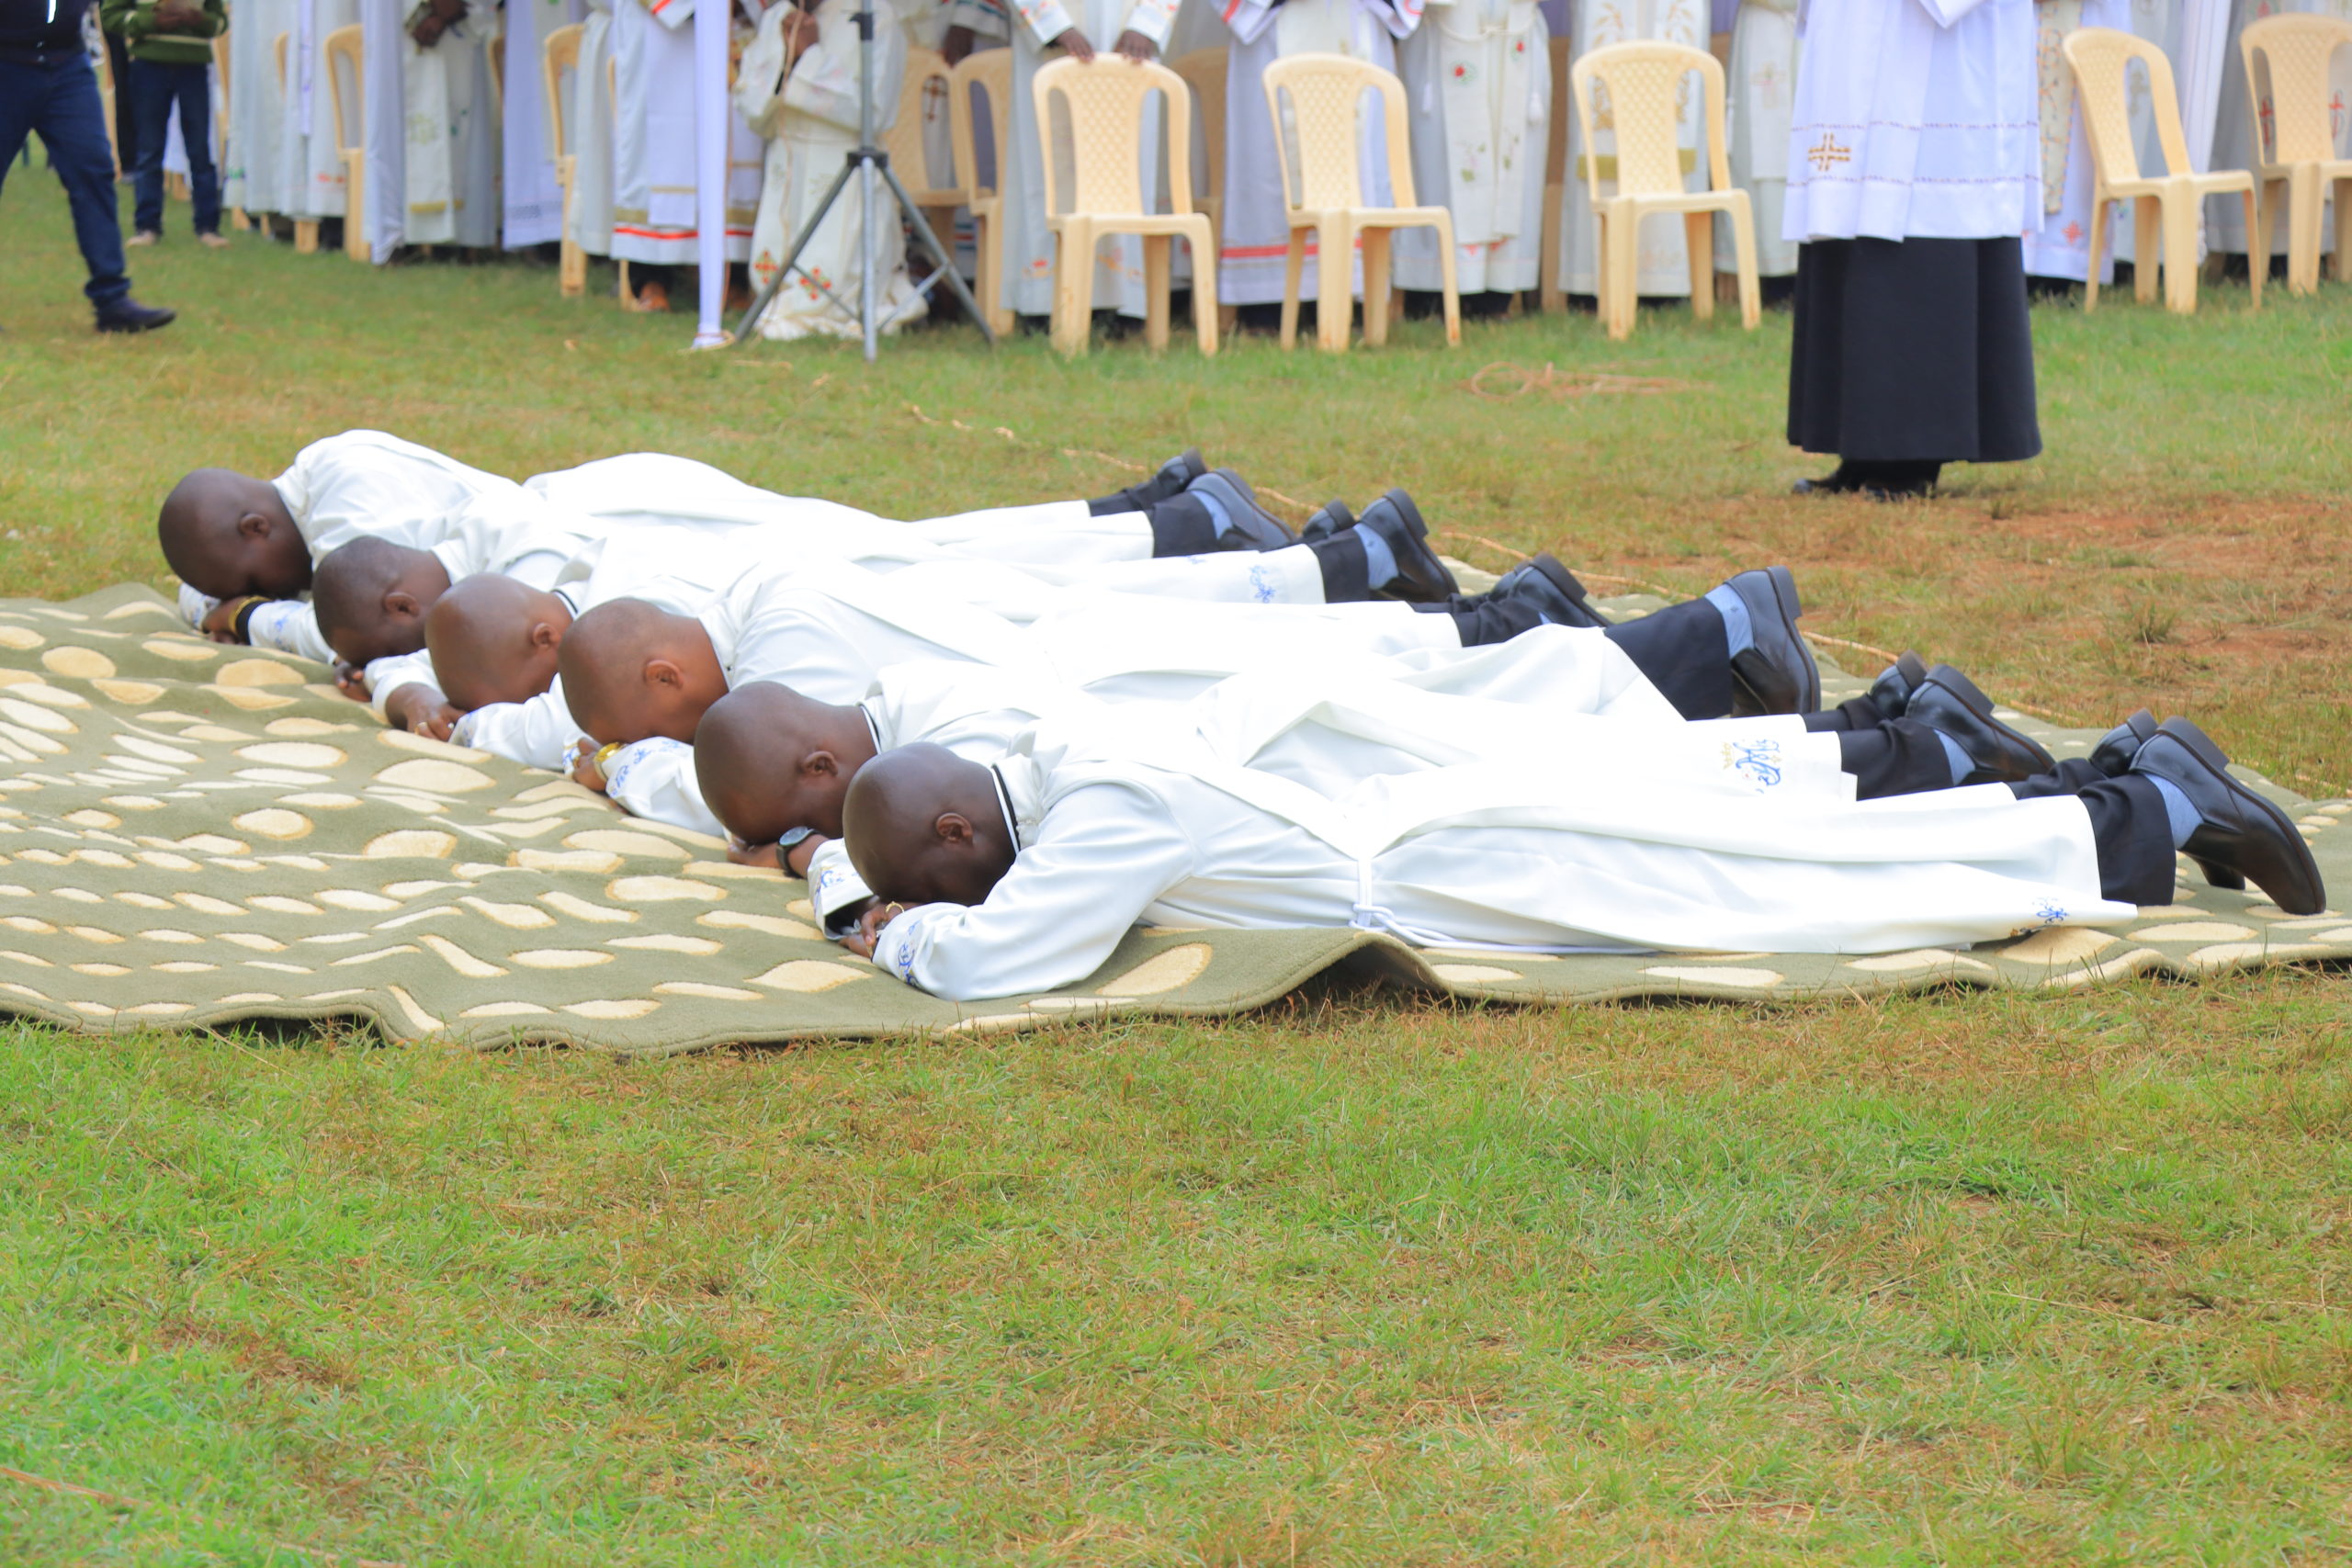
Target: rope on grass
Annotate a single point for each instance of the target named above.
(1505, 379)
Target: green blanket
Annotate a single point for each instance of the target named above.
(197, 835)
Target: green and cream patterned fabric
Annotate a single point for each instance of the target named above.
(196, 835)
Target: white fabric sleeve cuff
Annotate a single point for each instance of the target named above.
(195, 606)
(655, 779)
(289, 626)
(834, 887)
(386, 676)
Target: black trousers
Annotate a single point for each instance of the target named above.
(1917, 350)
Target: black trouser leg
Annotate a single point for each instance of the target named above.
(1495, 621)
(1684, 651)
(1347, 577)
(1181, 526)
(1900, 756)
(1854, 713)
(2132, 831)
(2070, 777)
(1111, 505)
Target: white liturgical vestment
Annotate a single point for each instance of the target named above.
(1916, 119)
(1111, 832)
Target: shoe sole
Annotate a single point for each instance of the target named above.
(1972, 697)
(2201, 746)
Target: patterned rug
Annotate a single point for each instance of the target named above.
(198, 835)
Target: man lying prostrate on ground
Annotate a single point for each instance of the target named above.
(1025, 875)
(244, 547)
(773, 765)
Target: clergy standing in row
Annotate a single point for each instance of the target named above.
(1914, 167)
(654, 221)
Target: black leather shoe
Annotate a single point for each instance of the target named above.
(1552, 588)
(1253, 526)
(1421, 578)
(128, 315)
(1878, 481)
(1949, 703)
(1891, 692)
(1332, 517)
(2113, 754)
(1777, 674)
(1174, 476)
(2242, 832)
(1834, 482)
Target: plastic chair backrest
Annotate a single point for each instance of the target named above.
(904, 139)
(1643, 80)
(1204, 70)
(1107, 98)
(343, 46)
(220, 67)
(2297, 50)
(282, 38)
(562, 54)
(1326, 97)
(990, 71)
(2100, 56)
(495, 49)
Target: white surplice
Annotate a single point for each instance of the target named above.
(654, 203)
(1256, 238)
(590, 125)
(1029, 248)
(810, 120)
(1661, 256)
(1916, 119)
(1760, 84)
(1215, 829)
(1477, 78)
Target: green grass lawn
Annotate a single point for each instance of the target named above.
(1361, 1280)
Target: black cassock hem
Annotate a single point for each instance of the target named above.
(1912, 351)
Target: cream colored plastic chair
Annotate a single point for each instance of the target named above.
(2170, 204)
(992, 72)
(1203, 71)
(306, 230)
(559, 54)
(1550, 291)
(1323, 193)
(1643, 80)
(105, 67)
(1107, 100)
(2296, 51)
(342, 48)
(910, 154)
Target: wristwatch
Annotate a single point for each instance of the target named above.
(785, 842)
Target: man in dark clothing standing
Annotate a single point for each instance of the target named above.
(46, 84)
(171, 49)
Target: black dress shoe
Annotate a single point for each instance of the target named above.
(128, 315)
(1332, 517)
(2242, 832)
(1173, 477)
(1254, 528)
(1777, 675)
(1552, 588)
(1949, 703)
(1878, 480)
(2113, 754)
(1891, 692)
(1421, 578)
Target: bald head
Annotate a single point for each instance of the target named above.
(493, 639)
(230, 535)
(770, 759)
(632, 670)
(371, 597)
(924, 828)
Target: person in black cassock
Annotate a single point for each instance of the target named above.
(1914, 170)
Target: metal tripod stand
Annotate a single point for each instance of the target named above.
(871, 165)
